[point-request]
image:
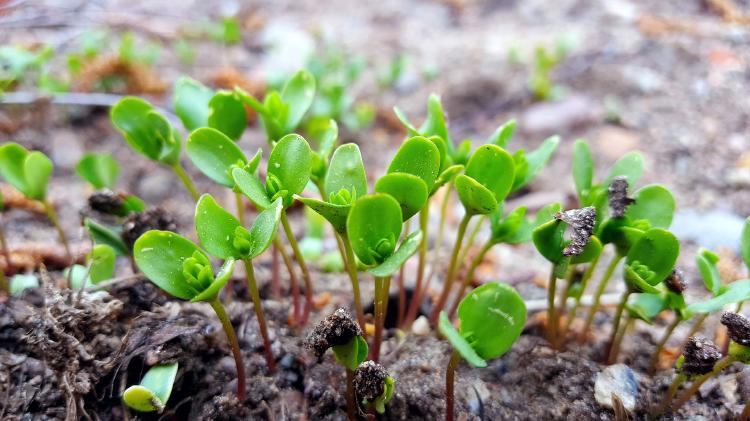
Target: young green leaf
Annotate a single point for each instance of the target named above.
(651, 259)
(145, 130)
(507, 229)
(409, 190)
(289, 167)
(215, 155)
(583, 170)
(154, 390)
(417, 156)
(436, 125)
(227, 114)
(646, 307)
(629, 166)
(101, 261)
(351, 354)
(493, 168)
(392, 264)
(346, 171)
(191, 100)
(706, 262)
(251, 186)
(535, 162)
(298, 94)
(502, 134)
(653, 203)
(333, 213)
(103, 235)
(374, 243)
(549, 240)
(27, 171)
(476, 198)
(411, 130)
(745, 242)
(99, 169)
(459, 343)
(736, 292)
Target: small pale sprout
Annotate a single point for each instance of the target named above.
(617, 193)
(582, 221)
(738, 327)
(676, 281)
(373, 386)
(152, 394)
(337, 329)
(699, 357)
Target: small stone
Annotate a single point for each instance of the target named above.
(106, 201)
(620, 380)
(574, 111)
(421, 326)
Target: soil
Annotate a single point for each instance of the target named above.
(667, 78)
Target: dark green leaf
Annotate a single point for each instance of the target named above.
(549, 240)
(651, 259)
(216, 229)
(592, 250)
(374, 242)
(103, 235)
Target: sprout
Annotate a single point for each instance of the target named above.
(29, 172)
(153, 392)
(100, 170)
(373, 386)
(119, 204)
(491, 319)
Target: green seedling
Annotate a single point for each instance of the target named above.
(222, 235)
(345, 181)
(149, 133)
(326, 135)
(375, 246)
(153, 392)
(648, 263)
(345, 338)
(281, 113)
(491, 319)
(177, 266)
(29, 172)
(99, 170)
(101, 234)
(198, 106)
(541, 66)
(484, 185)
(373, 387)
(100, 266)
(389, 77)
(19, 283)
(289, 168)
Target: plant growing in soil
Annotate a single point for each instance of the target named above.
(198, 106)
(373, 387)
(345, 338)
(149, 133)
(99, 170)
(491, 319)
(29, 173)
(289, 167)
(375, 246)
(154, 390)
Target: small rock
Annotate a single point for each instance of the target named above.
(561, 116)
(67, 150)
(620, 380)
(421, 327)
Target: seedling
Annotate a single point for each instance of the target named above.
(177, 266)
(149, 133)
(198, 106)
(289, 167)
(326, 135)
(281, 113)
(340, 333)
(222, 235)
(375, 246)
(154, 390)
(29, 172)
(345, 181)
(100, 266)
(491, 319)
(99, 170)
(19, 283)
(373, 387)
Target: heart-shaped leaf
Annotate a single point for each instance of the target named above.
(191, 102)
(99, 169)
(502, 134)
(28, 172)
(535, 162)
(227, 114)
(651, 259)
(374, 242)
(154, 390)
(409, 190)
(251, 186)
(629, 166)
(215, 155)
(346, 171)
(417, 156)
(160, 256)
(459, 343)
(583, 170)
(298, 94)
(145, 130)
(476, 198)
(492, 167)
(736, 292)
(706, 262)
(392, 264)
(492, 318)
(289, 166)
(653, 203)
(333, 213)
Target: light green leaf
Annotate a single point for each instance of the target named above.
(492, 167)
(160, 256)
(101, 261)
(191, 102)
(374, 243)
(103, 235)
(736, 292)
(706, 262)
(227, 114)
(502, 134)
(351, 354)
(408, 190)
(629, 166)
(459, 343)
(536, 161)
(251, 186)
(476, 198)
(333, 213)
(583, 170)
(417, 156)
(298, 94)
(346, 171)
(99, 169)
(215, 155)
(653, 203)
(289, 164)
(154, 391)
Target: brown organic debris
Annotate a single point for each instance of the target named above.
(738, 327)
(617, 193)
(337, 329)
(13, 199)
(106, 201)
(369, 380)
(137, 224)
(138, 78)
(676, 281)
(582, 221)
(700, 355)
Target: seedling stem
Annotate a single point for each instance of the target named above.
(232, 338)
(302, 265)
(718, 367)
(416, 301)
(186, 181)
(401, 283)
(351, 400)
(618, 339)
(469, 277)
(240, 207)
(612, 354)
(255, 295)
(52, 216)
(584, 283)
(293, 286)
(676, 383)
(451, 269)
(472, 236)
(551, 310)
(382, 285)
(667, 334)
(351, 267)
(450, 374)
(598, 296)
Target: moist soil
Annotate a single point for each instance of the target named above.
(667, 78)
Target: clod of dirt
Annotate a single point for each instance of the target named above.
(676, 281)
(369, 380)
(700, 356)
(137, 224)
(738, 327)
(337, 329)
(106, 201)
(617, 193)
(582, 221)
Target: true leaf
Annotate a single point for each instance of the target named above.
(227, 114)
(435, 124)
(214, 154)
(100, 170)
(446, 176)
(502, 134)
(290, 163)
(409, 190)
(392, 264)
(536, 161)
(374, 242)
